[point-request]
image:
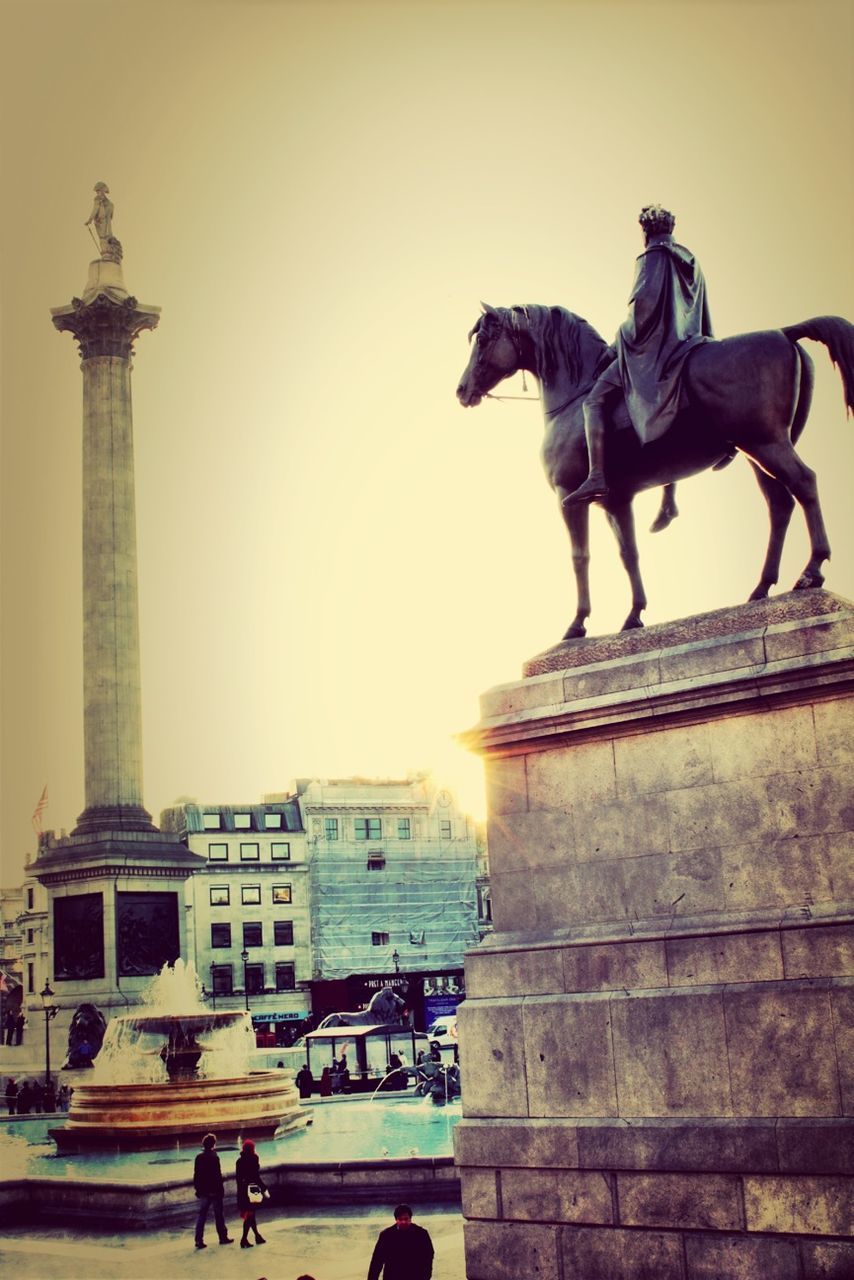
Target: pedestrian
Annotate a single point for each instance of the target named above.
(25, 1099)
(49, 1099)
(250, 1191)
(9, 1025)
(11, 1095)
(325, 1083)
(305, 1081)
(402, 1252)
(20, 1023)
(37, 1095)
(207, 1182)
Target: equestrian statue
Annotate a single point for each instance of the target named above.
(665, 402)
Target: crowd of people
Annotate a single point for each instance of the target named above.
(334, 1079)
(34, 1097)
(429, 1067)
(13, 1026)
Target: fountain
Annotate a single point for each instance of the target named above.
(173, 1071)
(170, 1071)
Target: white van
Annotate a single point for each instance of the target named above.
(444, 1030)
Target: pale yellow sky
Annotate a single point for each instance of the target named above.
(335, 559)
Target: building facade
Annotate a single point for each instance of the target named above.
(248, 910)
(309, 902)
(393, 883)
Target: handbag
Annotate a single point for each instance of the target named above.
(254, 1194)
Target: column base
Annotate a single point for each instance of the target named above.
(119, 817)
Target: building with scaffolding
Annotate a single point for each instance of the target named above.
(393, 892)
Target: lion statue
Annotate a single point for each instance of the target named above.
(85, 1036)
(384, 1007)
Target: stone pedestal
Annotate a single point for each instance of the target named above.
(658, 1076)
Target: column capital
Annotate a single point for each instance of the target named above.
(103, 326)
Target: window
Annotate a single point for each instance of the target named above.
(250, 895)
(217, 853)
(220, 935)
(31, 978)
(376, 860)
(379, 939)
(243, 822)
(330, 828)
(369, 829)
(29, 937)
(30, 899)
(219, 895)
(281, 893)
(285, 977)
(254, 979)
(445, 828)
(221, 979)
(252, 935)
(250, 852)
(404, 829)
(211, 822)
(283, 933)
(280, 851)
(272, 822)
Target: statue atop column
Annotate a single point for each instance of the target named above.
(102, 217)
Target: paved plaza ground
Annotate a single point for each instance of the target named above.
(334, 1244)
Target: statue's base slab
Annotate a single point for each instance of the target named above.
(116, 915)
(657, 1040)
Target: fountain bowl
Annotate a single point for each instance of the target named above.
(171, 1071)
(146, 1116)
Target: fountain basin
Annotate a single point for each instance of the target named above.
(396, 1147)
(148, 1116)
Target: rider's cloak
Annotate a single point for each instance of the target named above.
(668, 317)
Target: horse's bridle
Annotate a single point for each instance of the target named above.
(504, 329)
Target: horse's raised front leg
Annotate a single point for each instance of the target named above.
(668, 511)
(622, 521)
(781, 504)
(781, 462)
(577, 521)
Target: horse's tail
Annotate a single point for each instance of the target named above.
(837, 335)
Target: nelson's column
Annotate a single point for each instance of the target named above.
(115, 884)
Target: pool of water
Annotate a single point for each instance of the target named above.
(350, 1130)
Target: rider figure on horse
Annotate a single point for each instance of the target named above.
(668, 317)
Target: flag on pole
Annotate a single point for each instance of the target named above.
(38, 811)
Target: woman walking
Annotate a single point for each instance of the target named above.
(249, 1188)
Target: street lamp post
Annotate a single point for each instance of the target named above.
(50, 1012)
(244, 956)
(395, 959)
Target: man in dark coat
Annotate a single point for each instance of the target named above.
(402, 1252)
(668, 317)
(304, 1081)
(207, 1183)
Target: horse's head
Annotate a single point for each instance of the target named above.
(494, 355)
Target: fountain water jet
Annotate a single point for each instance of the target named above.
(174, 1070)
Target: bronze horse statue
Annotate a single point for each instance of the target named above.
(750, 393)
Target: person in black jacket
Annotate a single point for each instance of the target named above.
(248, 1170)
(402, 1252)
(207, 1182)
